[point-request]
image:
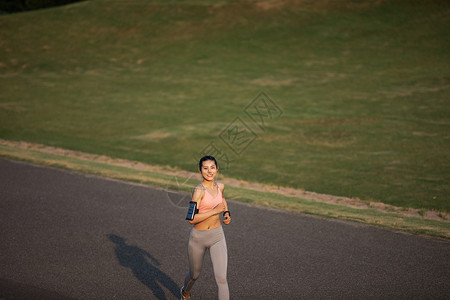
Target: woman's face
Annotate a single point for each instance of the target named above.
(209, 170)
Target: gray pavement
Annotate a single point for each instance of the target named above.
(68, 235)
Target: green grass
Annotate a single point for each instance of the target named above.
(364, 89)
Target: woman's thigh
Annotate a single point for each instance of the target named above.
(219, 259)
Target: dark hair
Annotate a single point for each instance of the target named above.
(205, 158)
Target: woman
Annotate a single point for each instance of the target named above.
(207, 232)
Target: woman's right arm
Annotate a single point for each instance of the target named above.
(198, 218)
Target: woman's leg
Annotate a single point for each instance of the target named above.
(196, 252)
(219, 258)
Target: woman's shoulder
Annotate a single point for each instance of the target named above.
(199, 190)
(199, 186)
(220, 185)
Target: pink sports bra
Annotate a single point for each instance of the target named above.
(209, 202)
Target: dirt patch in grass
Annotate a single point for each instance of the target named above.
(350, 202)
(272, 82)
(322, 5)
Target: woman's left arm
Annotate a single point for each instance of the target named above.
(227, 215)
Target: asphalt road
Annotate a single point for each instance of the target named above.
(68, 235)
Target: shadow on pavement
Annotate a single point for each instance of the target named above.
(146, 272)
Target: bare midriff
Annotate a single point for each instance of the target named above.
(210, 223)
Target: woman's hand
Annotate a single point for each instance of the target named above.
(227, 219)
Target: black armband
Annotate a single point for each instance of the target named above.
(192, 210)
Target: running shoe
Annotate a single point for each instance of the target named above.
(184, 295)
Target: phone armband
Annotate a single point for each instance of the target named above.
(192, 210)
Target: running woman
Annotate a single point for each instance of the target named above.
(207, 232)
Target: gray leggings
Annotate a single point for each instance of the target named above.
(199, 242)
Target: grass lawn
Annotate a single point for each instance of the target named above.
(363, 88)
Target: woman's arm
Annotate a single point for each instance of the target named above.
(197, 197)
(227, 217)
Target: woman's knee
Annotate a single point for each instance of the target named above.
(221, 279)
